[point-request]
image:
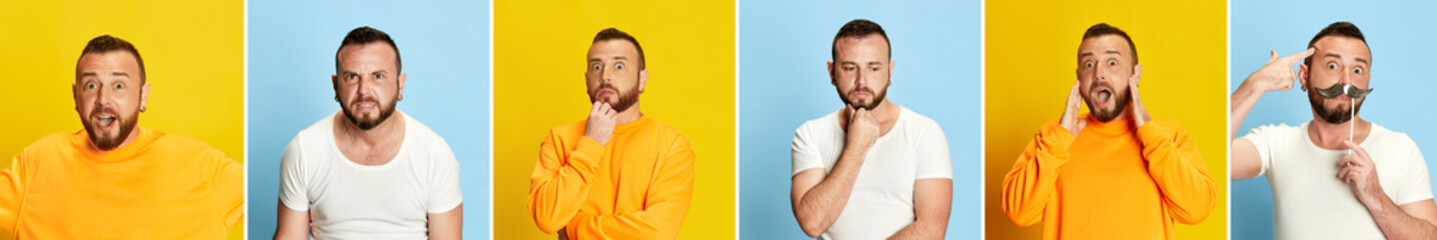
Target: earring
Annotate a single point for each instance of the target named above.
(142, 108)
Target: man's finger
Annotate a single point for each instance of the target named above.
(1274, 56)
(1358, 149)
(1289, 60)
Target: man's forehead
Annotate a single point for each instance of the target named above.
(613, 48)
(852, 46)
(1343, 47)
(366, 53)
(1105, 44)
(107, 61)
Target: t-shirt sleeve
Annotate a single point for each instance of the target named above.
(1265, 138)
(1416, 184)
(933, 158)
(805, 153)
(444, 190)
(293, 183)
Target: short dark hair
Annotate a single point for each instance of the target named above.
(1103, 29)
(614, 34)
(106, 43)
(366, 35)
(860, 28)
(1341, 29)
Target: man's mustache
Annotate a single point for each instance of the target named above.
(1337, 89)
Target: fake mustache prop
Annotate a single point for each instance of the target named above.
(1343, 89)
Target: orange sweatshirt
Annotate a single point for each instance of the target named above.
(157, 187)
(638, 186)
(1109, 182)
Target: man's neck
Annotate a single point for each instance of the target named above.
(391, 130)
(1331, 135)
(629, 115)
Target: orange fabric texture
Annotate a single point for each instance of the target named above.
(1109, 182)
(157, 187)
(638, 186)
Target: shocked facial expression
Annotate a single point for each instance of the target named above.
(108, 96)
(1338, 60)
(1105, 65)
(614, 75)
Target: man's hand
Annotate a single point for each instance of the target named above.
(1070, 111)
(862, 128)
(1359, 173)
(1140, 114)
(1277, 74)
(600, 125)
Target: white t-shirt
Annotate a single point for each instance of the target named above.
(347, 200)
(882, 200)
(1310, 202)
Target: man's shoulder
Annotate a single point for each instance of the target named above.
(826, 122)
(1381, 136)
(52, 140)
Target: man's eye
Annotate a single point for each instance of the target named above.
(1331, 65)
(1357, 70)
(1112, 62)
(619, 66)
(90, 85)
(1087, 64)
(875, 69)
(119, 85)
(596, 67)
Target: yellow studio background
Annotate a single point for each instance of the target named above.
(539, 49)
(1031, 55)
(193, 52)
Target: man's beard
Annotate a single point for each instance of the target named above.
(107, 143)
(365, 124)
(626, 98)
(1335, 115)
(877, 98)
(1119, 98)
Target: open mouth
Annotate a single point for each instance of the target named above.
(105, 121)
(1102, 95)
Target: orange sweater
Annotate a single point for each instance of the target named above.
(1109, 182)
(157, 187)
(638, 186)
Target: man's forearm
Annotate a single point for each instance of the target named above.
(820, 207)
(1396, 223)
(1243, 100)
(921, 229)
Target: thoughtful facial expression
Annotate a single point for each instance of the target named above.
(1338, 60)
(108, 96)
(862, 70)
(1105, 64)
(613, 74)
(368, 83)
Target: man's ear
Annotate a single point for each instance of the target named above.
(334, 82)
(144, 96)
(891, 64)
(643, 79)
(1137, 74)
(831, 80)
(75, 93)
(1302, 76)
(402, 77)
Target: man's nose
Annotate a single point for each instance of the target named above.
(861, 80)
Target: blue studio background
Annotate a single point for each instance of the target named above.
(445, 49)
(1400, 35)
(783, 82)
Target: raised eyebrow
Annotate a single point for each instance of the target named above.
(1363, 61)
(120, 74)
(1086, 54)
(1332, 55)
(621, 58)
